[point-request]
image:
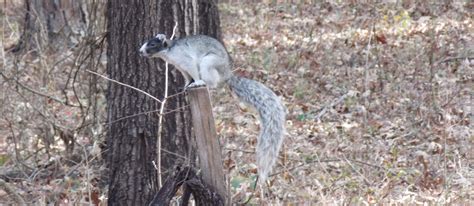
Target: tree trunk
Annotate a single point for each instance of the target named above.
(52, 23)
(131, 142)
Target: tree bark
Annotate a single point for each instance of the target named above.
(188, 177)
(52, 23)
(131, 142)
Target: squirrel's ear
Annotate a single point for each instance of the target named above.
(161, 37)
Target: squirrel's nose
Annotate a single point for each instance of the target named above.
(142, 50)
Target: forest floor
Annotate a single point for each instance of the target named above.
(379, 102)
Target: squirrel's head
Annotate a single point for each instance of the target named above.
(154, 46)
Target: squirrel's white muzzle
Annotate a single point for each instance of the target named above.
(142, 50)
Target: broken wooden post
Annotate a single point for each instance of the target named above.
(207, 144)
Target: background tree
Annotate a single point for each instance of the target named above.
(50, 22)
(47, 45)
(379, 99)
(57, 30)
(131, 142)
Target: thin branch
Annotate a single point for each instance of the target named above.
(143, 113)
(175, 154)
(126, 85)
(365, 163)
(174, 30)
(11, 191)
(366, 74)
(357, 171)
(448, 59)
(37, 92)
(303, 164)
(327, 160)
(239, 150)
(135, 115)
(173, 95)
(332, 104)
(160, 120)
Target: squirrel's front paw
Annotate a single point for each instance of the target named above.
(196, 83)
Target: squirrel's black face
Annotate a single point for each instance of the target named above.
(152, 47)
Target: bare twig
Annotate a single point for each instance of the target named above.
(160, 119)
(366, 73)
(304, 164)
(327, 160)
(448, 59)
(143, 113)
(175, 154)
(126, 85)
(357, 171)
(365, 163)
(96, 45)
(18, 156)
(239, 150)
(11, 191)
(332, 104)
(37, 92)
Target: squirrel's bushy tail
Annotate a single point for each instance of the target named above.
(272, 120)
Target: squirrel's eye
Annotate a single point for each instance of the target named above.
(154, 43)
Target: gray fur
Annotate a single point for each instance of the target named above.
(204, 58)
(272, 119)
(196, 57)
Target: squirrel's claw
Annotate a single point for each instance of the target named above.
(195, 84)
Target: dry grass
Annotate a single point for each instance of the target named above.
(379, 99)
(395, 84)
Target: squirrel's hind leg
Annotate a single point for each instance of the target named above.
(209, 70)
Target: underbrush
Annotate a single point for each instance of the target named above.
(379, 102)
